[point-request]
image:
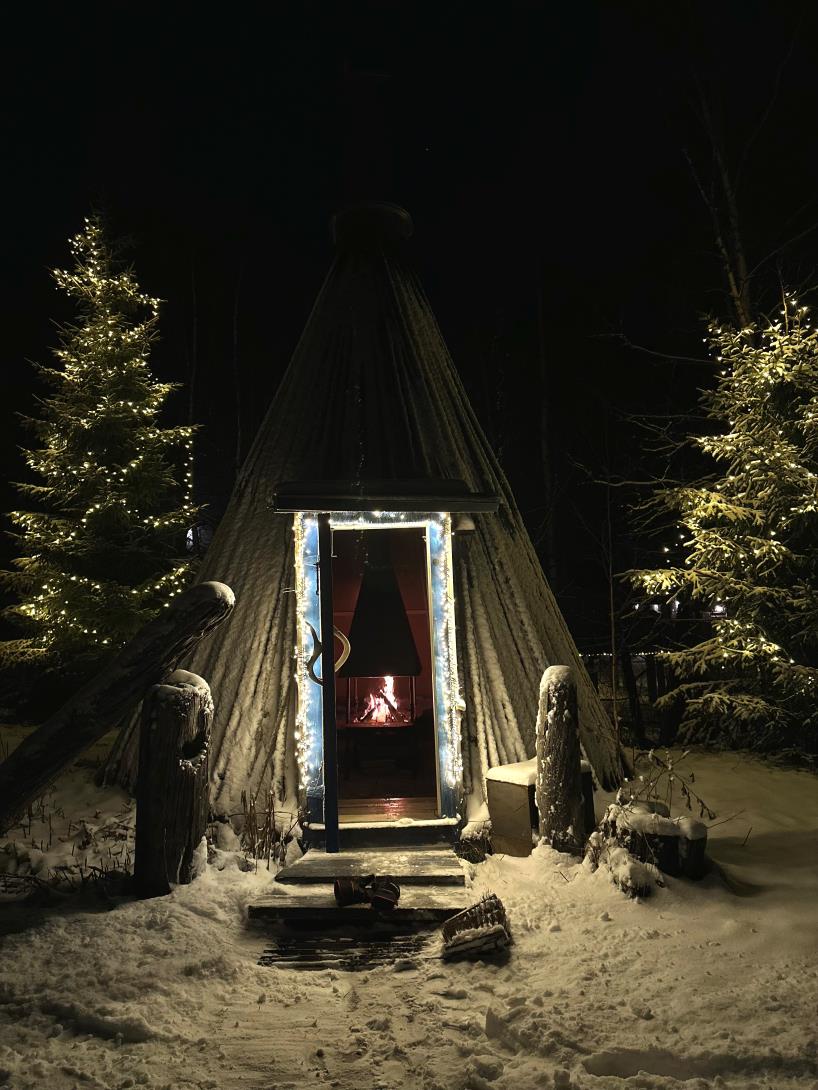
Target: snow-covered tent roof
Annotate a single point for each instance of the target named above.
(371, 393)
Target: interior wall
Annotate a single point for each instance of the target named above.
(408, 556)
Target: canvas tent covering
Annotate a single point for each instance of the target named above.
(371, 393)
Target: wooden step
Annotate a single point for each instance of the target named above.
(314, 952)
(420, 906)
(423, 865)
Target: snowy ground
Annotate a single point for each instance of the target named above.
(704, 985)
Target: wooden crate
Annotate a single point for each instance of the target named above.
(513, 816)
(513, 813)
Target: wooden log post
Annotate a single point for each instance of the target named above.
(559, 778)
(172, 795)
(108, 697)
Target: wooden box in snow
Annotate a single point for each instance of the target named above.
(513, 813)
(513, 807)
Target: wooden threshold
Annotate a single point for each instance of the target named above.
(381, 809)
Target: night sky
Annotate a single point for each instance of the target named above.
(539, 148)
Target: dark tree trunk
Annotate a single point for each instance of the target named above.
(193, 362)
(670, 716)
(633, 696)
(588, 809)
(559, 775)
(546, 439)
(237, 373)
(592, 666)
(172, 800)
(110, 696)
(650, 674)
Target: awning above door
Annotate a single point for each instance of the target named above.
(382, 495)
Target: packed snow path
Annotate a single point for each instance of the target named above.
(702, 986)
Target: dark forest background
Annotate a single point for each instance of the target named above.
(543, 151)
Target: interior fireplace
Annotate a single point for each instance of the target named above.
(381, 703)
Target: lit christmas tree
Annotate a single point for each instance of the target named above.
(103, 542)
(751, 539)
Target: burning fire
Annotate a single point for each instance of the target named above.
(382, 706)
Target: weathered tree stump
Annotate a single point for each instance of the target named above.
(108, 697)
(172, 795)
(559, 778)
(677, 846)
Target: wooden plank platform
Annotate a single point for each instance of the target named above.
(419, 906)
(433, 866)
(316, 952)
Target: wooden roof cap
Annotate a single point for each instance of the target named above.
(371, 225)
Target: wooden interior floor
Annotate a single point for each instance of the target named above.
(421, 808)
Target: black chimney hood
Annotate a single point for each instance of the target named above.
(380, 637)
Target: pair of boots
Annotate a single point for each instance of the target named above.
(382, 893)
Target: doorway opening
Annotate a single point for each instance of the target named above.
(385, 687)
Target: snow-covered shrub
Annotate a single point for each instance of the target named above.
(634, 877)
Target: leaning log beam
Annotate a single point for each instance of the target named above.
(108, 697)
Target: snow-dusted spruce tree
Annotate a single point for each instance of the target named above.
(752, 541)
(103, 536)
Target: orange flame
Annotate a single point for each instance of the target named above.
(378, 708)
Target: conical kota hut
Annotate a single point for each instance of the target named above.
(371, 504)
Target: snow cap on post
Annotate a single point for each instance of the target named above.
(556, 676)
(218, 592)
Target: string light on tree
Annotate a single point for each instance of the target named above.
(749, 533)
(102, 540)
